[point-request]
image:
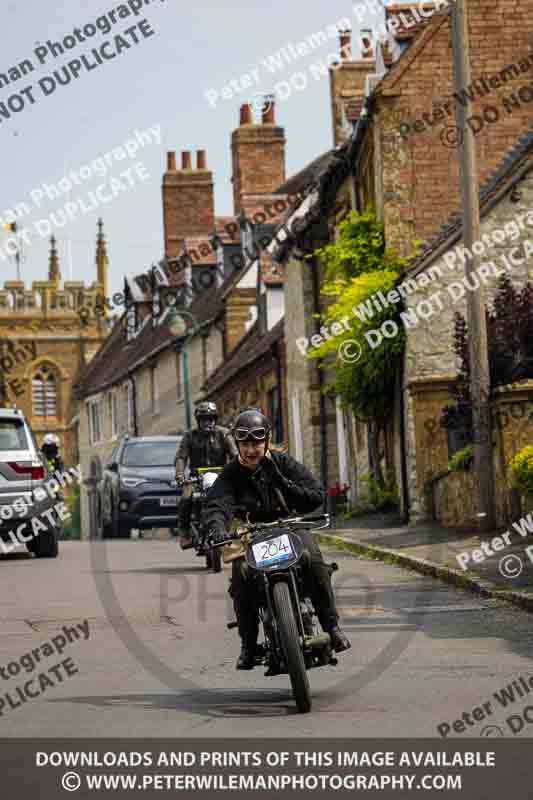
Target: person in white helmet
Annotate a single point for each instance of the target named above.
(51, 451)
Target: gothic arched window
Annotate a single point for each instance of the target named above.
(44, 388)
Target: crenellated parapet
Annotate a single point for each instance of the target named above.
(44, 299)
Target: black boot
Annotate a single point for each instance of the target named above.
(339, 640)
(246, 659)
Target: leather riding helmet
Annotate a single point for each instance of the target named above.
(251, 426)
(206, 415)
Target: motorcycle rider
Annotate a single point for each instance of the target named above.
(50, 450)
(268, 485)
(209, 445)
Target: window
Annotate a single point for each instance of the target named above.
(131, 322)
(154, 391)
(12, 435)
(95, 428)
(150, 454)
(113, 413)
(44, 389)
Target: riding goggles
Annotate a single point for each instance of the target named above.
(242, 434)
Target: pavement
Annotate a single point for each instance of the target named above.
(501, 569)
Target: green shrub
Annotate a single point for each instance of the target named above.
(381, 498)
(521, 471)
(462, 459)
(72, 526)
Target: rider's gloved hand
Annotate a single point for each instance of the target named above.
(218, 536)
(180, 477)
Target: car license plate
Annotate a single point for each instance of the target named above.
(168, 501)
(272, 551)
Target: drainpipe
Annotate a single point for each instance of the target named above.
(403, 449)
(322, 399)
(134, 403)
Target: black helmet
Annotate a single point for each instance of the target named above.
(206, 409)
(251, 425)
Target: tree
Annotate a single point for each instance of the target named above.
(358, 267)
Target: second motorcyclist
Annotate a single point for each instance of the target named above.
(209, 445)
(268, 486)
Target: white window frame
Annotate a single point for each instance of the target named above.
(95, 430)
(113, 403)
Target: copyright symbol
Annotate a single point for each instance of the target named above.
(350, 351)
(510, 566)
(491, 730)
(71, 781)
(262, 104)
(451, 137)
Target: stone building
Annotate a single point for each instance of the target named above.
(398, 160)
(49, 332)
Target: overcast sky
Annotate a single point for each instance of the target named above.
(161, 81)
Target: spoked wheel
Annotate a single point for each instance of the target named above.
(291, 648)
(216, 558)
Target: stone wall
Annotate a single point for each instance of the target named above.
(512, 429)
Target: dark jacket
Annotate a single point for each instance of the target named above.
(203, 449)
(238, 488)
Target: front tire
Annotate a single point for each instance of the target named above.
(45, 544)
(291, 647)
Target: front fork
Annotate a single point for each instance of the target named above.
(268, 617)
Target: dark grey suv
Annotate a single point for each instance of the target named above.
(138, 487)
(24, 495)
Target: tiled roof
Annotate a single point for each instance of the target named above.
(308, 175)
(251, 348)
(117, 356)
(506, 173)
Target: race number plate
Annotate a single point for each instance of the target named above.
(272, 551)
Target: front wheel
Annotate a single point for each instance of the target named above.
(291, 647)
(216, 558)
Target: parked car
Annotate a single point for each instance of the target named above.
(138, 488)
(23, 496)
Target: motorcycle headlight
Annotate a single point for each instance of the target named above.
(131, 483)
(208, 480)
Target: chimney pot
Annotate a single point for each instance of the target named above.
(171, 161)
(269, 110)
(345, 38)
(246, 114)
(186, 160)
(201, 160)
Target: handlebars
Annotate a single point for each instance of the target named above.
(256, 527)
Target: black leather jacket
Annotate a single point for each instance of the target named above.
(202, 449)
(273, 490)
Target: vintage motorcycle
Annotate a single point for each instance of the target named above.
(197, 487)
(293, 642)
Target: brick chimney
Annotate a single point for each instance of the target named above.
(347, 83)
(188, 201)
(258, 153)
